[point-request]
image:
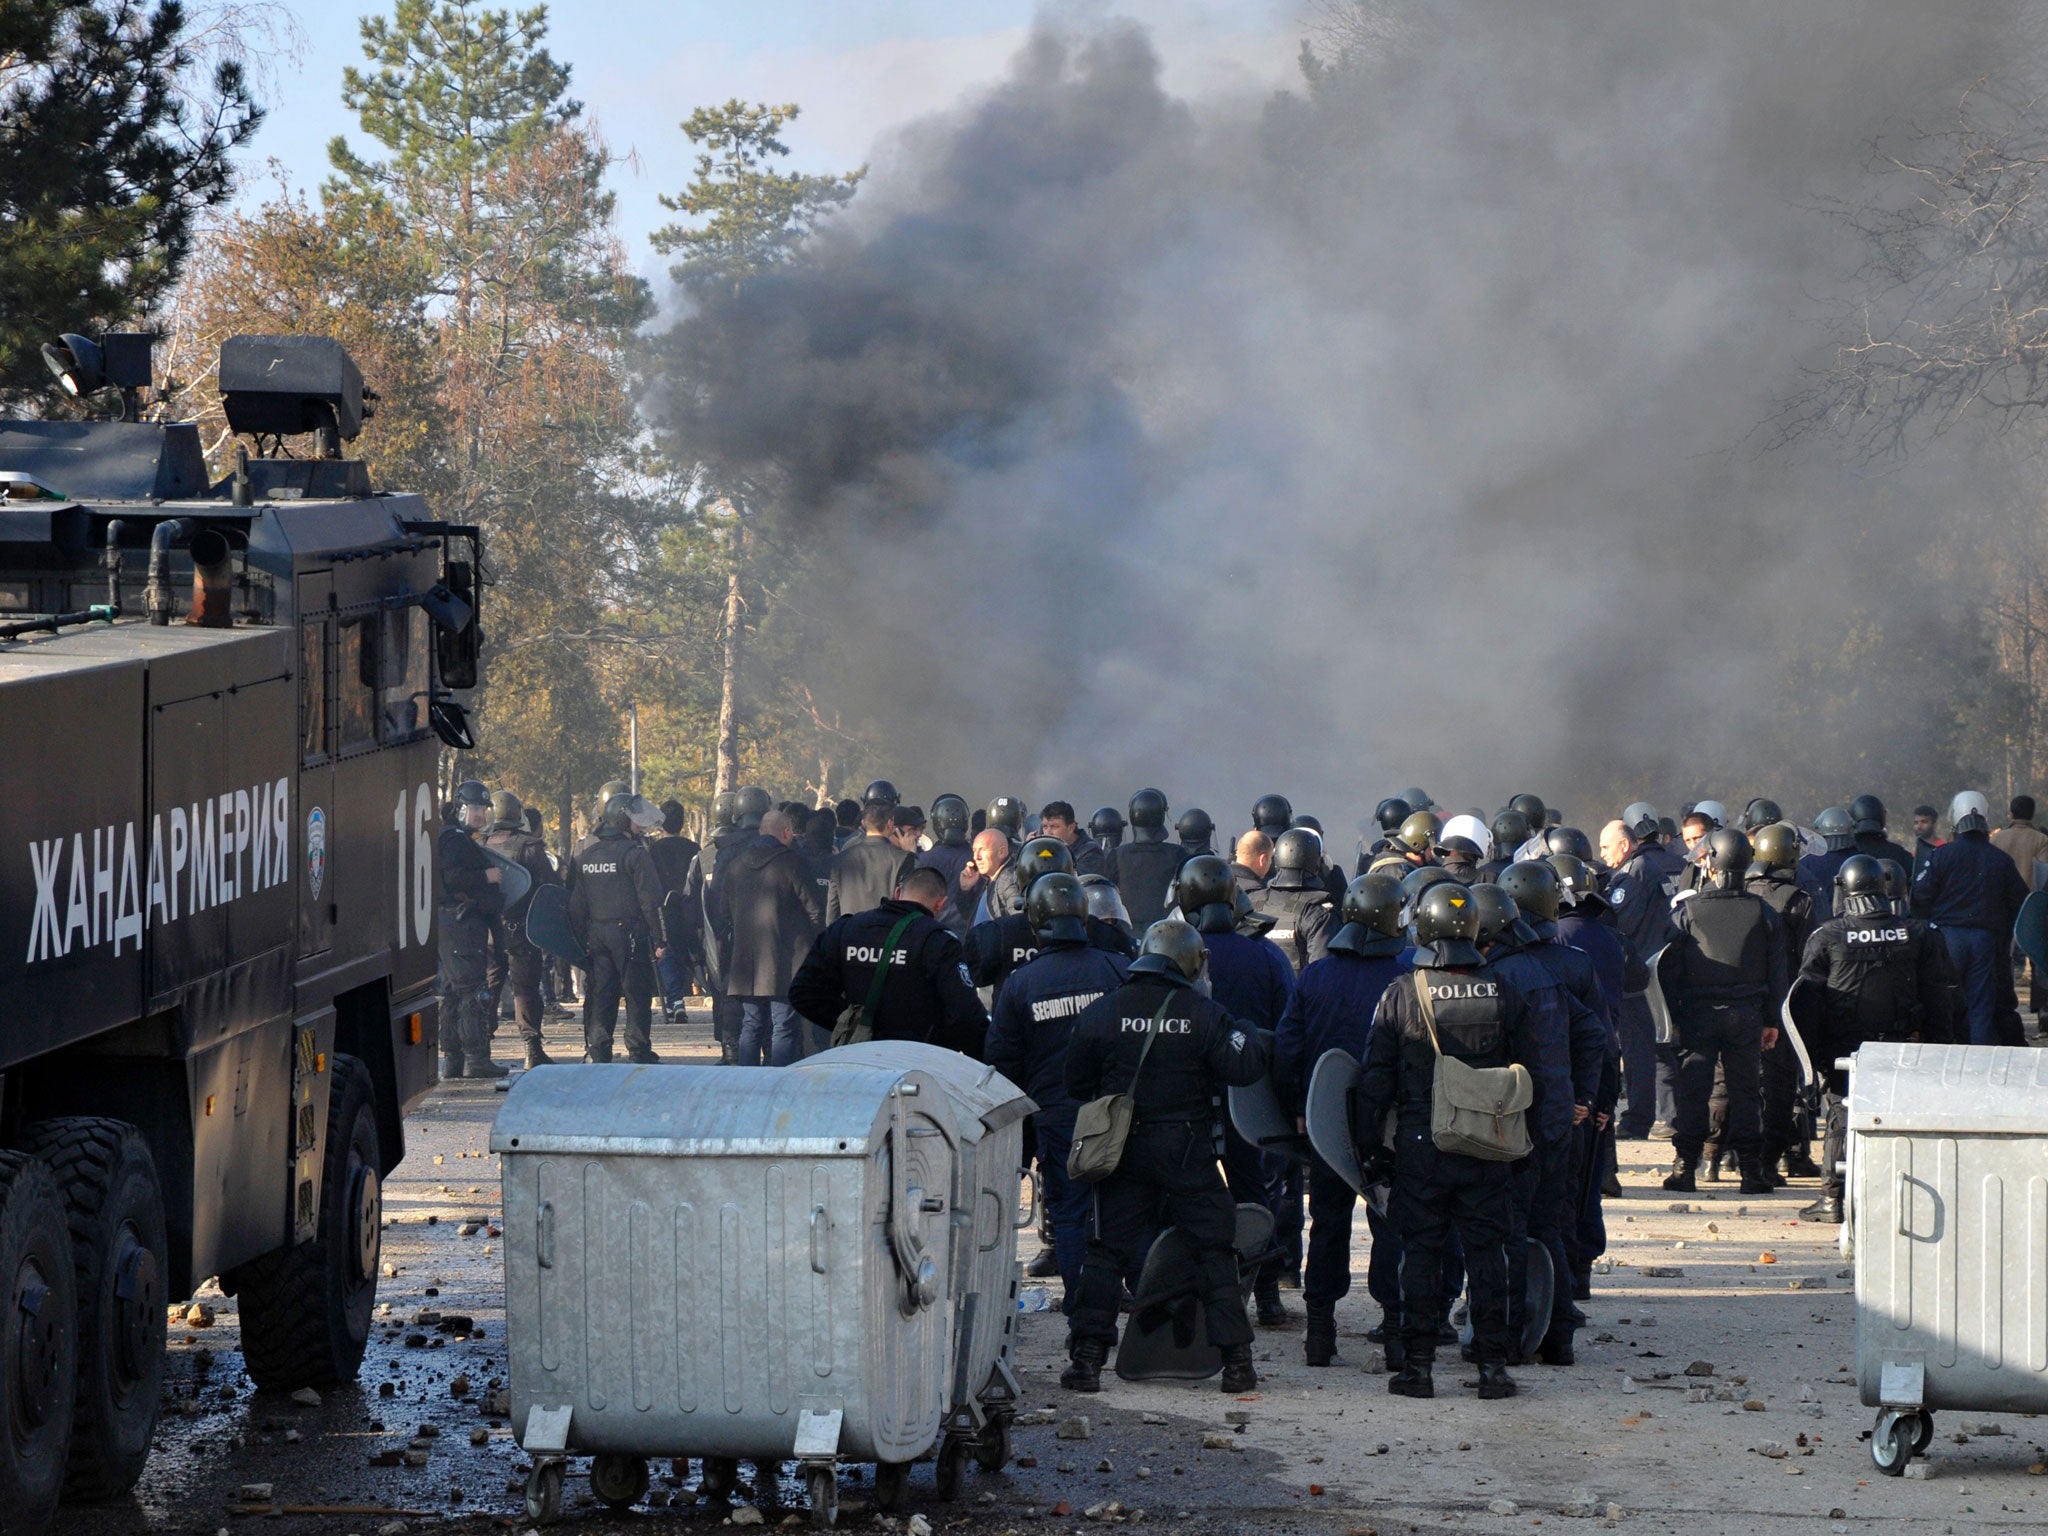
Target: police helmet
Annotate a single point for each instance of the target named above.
(1297, 859)
(1729, 853)
(1499, 917)
(1778, 845)
(1535, 887)
(1148, 810)
(1761, 813)
(506, 811)
(1569, 840)
(1577, 879)
(1057, 908)
(1207, 894)
(1667, 828)
(949, 820)
(1446, 921)
(881, 792)
(1042, 856)
(472, 792)
(1313, 823)
(1391, 812)
(1006, 813)
(1642, 821)
(1107, 825)
(1713, 810)
(1456, 847)
(1866, 815)
(1969, 812)
(1105, 901)
(618, 813)
(1417, 798)
(1416, 881)
(725, 809)
(1532, 809)
(1895, 882)
(1834, 825)
(1172, 948)
(750, 805)
(1510, 830)
(612, 787)
(1418, 834)
(646, 815)
(1195, 828)
(1371, 910)
(1860, 884)
(1272, 814)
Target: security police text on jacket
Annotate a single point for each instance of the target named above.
(926, 996)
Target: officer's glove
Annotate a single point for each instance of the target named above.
(1378, 1164)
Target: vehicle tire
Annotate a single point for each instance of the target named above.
(992, 1450)
(544, 1492)
(618, 1480)
(1923, 1432)
(306, 1309)
(721, 1476)
(1891, 1443)
(39, 1348)
(823, 1484)
(892, 1481)
(114, 1209)
(950, 1466)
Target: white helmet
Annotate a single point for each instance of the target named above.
(1713, 808)
(1970, 812)
(1474, 828)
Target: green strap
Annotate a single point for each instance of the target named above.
(867, 1009)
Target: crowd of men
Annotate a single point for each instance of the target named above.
(1641, 983)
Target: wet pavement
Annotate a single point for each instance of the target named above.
(1773, 1440)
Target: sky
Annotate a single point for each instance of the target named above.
(858, 68)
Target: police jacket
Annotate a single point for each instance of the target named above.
(1570, 1038)
(467, 894)
(1639, 894)
(1794, 906)
(1089, 859)
(1878, 846)
(672, 854)
(1871, 976)
(991, 951)
(525, 849)
(1816, 876)
(1331, 1010)
(1303, 920)
(1143, 873)
(1727, 950)
(1250, 977)
(949, 859)
(925, 998)
(1198, 1050)
(1617, 969)
(771, 910)
(1034, 1017)
(1480, 1019)
(1967, 883)
(616, 885)
(1248, 881)
(864, 875)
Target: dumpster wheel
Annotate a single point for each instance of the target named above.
(619, 1481)
(721, 1476)
(892, 1479)
(992, 1448)
(1897, 1438)
(821, 1479)
(544, 1490)
(950, 1466)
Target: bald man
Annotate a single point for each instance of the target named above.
(981, 885)
(1252, 864)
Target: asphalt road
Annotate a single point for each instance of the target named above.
(1625, 1436)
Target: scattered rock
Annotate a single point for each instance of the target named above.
(415, 1458)
(1920, 1470)
(1838, 1513)
(427, 1432)
(459, 1322)
(1700, 1368)
(390, 1272)
(1981, 1427)
(1628, 1385)
(459, 1387)
(469, 1229)
(1075, 1428)
(1772, 1449)
(1219, 1442)
(1646, 1321)
(391, 1528)
(918, 1526)
(1504, 1507)
(1767, 1257)
(439, 1160)
(1663, 1272)
(747, 1514)
(1806, 1283)
(1615, 1511)
(1035, 1416)
(1679, 1209)
(306, 1397)
(1151, 1418)
(499, 1402)
(479, 1436)
(1025, 1461)
(386, 1459)
(1753, 1405)
(1806, 1395)
(1237, 1416)
(255, 1493)
(292, 1437)
(199, 1315)
(1105, 1465)
(1580, 1506)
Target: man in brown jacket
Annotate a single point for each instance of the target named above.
(2021, 841)
(772, 911)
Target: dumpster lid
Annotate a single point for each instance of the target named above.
(669, 1111)
(989, 1099)
(1988, 1090)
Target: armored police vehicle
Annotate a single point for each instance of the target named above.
(220, 711)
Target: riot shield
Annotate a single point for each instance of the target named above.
(1329, 1116)
(1802, 998)
(1660, 1009)
(1167, 1337)
(547, 925)
(1256, 1111)
(2030, 930)
(514, 878)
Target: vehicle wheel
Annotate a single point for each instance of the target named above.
(306, 1309)
(892, 1481)
(721, 1476)
(992, 1450)
(951, 1464)
(1891, 1443)
(39, 1345)
(114, 1209)
(544, 1492)
(1923, 1431)
(617, 1480)
(823, 1485)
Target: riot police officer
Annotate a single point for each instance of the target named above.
(923, 996)
(880, 792)
(1970, 892)
(517, 961)
(1410, 846)
(1510, 830)
(1106, 826)
(1644, 875)
(1475, 1016)
(1144, 867)
(1816, 871)
(469, 905)
(1295, 897)
(616, 906)
(1196, 830)
(1865, 975)
(1387, 817)
(1867, 827)
(1723, 975)
(1773, 876)
(949, 854)
(1174, 1051)
(999, 946)
(1332, 1009)
(1006, 815)
(1272, 815)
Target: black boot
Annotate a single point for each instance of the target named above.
(1827, 1208)
(1238, 1375)
(1556, 1348)
(1320, 1348)
(1084, 1368)
(1397, 1350)
(1713, 1173)
(1494, 1380)
(1044, 1266)
(537, 1056)
(1270, 1313)
(1754, 1179)
(1414, 1379)
(1680, 1180)
(1799, 1164)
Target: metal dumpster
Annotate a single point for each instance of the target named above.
(1948, 1220)
(989, 1111)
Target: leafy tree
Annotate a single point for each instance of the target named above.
(108, 157)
